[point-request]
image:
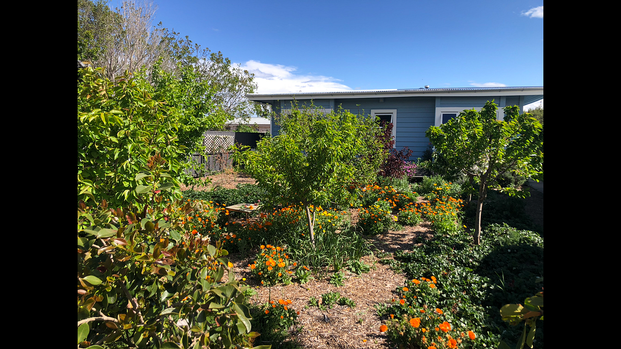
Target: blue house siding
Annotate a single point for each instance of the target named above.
(414, 116)
(416, 110)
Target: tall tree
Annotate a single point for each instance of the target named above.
(126, 40)
(482, 148)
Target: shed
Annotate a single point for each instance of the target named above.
(411, 111)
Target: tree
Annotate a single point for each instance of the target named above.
(482, 148)
(314, 159)
(127, 127)
(126, 40)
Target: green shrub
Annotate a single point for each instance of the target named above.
(143, 281)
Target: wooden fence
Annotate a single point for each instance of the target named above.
(217, 155)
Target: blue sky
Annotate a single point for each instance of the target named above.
(317, 45)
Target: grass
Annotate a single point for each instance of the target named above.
(471, 282)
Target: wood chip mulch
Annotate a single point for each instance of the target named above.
(345, 327)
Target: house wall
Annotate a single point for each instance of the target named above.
(414, 114)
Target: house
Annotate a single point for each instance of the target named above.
(261, 125)
(411, 111)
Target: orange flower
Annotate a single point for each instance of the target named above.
(405, 289)
(452, 343)
(402, 301)
(432, 286)
(267, 312)
(383, 328)
(415, 322)
(416, 281)
(438, 311)
(471, 335)
(445, 326)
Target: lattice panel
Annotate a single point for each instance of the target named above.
(218, 142)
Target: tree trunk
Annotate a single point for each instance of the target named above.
(311, 224)
(477, 222)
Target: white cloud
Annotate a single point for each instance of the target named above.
(487, 84)
(535, 12)
(277, 78)
(533, 105)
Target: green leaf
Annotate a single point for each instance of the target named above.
(93, 280)
(141, 175)
(241, 314)
(83, 331)
(166, 186)
(170, 345)
(95, 347)
(141, 189)
(167, 311)
(101, 233)
(212, 250)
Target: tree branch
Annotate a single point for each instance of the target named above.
(97, 318)
(133, 301)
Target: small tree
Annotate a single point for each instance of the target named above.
(314, 159)
(482, 148)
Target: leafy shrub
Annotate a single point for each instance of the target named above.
(433, 186)
(473, 281)
(394, 164)
(335, 241)
(167, 279)
(243, 193)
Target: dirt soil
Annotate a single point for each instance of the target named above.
(346, 327)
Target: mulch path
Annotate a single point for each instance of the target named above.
(346, 327)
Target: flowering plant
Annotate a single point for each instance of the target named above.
(412, 321)
(409, 215)
(272, 266)
(427, 329)
(376, 219)
(443, 213)
(274, 319)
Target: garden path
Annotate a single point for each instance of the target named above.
(346, 327)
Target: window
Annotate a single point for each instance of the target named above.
(444, 114)
(448, 116)
(387, 115)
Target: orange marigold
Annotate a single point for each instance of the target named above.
(402, 301)
(452, 343)
(471, 335)
(445, 326)
(415, 322)
(383, 328)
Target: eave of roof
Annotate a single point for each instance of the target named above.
(427, 92)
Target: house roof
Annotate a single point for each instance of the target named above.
(535, 91)
(251, 121)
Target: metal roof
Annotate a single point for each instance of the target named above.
(453, 91)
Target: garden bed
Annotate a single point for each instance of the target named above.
(342, 326)
(346, 327)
